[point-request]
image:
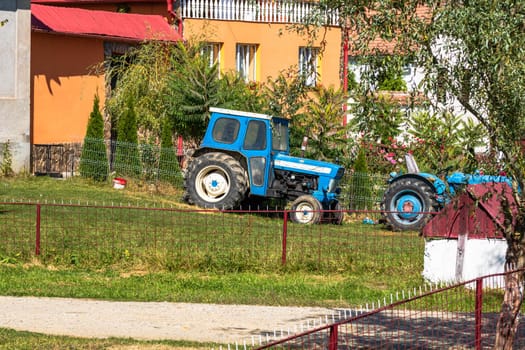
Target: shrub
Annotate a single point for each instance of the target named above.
(127, 155)
(6, 167)
(94, 160)
(360, 191)
(169, 170)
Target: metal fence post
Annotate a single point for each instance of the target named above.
(478, 311)
(285, 234)
(37, 235)
(332, 345)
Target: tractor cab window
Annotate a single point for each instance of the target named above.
(279, 136)
(255, 135)
(226, 130)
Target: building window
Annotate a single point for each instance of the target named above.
(246, 61)
(309, 64)
(212, 51)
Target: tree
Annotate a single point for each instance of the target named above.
(286, 97)
(444, 140)
(322, 124)
(472, 55)
(169, 170)
(141, 74)
(359, 191)
(94, 160)
(127, 155)
(195, 85)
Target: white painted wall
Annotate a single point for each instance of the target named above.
(481, 257)
(15, 47)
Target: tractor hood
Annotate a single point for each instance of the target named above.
(308, 166)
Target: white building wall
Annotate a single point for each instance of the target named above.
(15, 47)
(480, 257)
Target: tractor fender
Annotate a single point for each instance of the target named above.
(433, 181)
(237, 155)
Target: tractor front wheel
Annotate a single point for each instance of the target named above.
(215, 180)
(408, 204)
(306, 210)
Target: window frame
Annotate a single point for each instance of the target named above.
(246, 60)
(309, 64)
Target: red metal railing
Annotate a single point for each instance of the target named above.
(460, 316)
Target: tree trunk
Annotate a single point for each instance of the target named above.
(508, 318)
(513, 296)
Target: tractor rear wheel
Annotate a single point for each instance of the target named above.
(306, 210)
(408, 204)
(215, 180)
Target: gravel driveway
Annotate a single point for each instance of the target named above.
(151, 320)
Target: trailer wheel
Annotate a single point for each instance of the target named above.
(408, 203)
(306, 210)
(215, 180)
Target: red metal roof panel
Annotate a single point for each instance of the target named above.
(75, 21)
(477, 212)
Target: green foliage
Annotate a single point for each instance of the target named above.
(141, 74)
(127, 155)
(352, 81)
(390, 79)
(94, 160)
(376, 117)
(361, 164)
(322, 124)
(235, 93)
(192, 89)
(6, 166)
(359, 192)
(285, 95)
(169, 170)
(445, 141)
(194, 86)
(149, 157)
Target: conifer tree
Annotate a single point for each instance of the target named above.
(360, 187)
(127, 155)
(94, 160)
(169, 170)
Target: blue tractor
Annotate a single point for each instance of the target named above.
(245, 155)
(411, 199)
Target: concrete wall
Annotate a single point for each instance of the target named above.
(15, 50)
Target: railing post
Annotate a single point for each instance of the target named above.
(37, 235)
(332, 345)
(478, 311)
(285, 234)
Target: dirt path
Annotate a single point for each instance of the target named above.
(151, 320)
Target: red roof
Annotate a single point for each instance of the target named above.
(123, 26)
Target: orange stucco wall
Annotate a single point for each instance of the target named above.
(63, 86)
(275, 51)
